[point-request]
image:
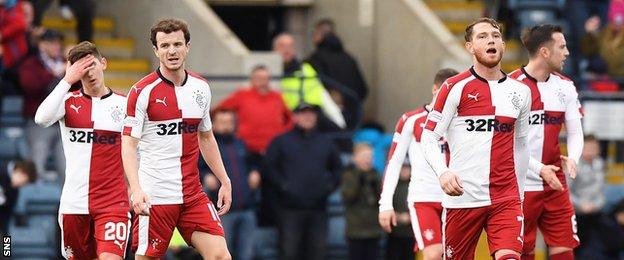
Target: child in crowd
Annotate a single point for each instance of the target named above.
(360, 192)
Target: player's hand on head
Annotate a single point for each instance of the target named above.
(549, 175)
(451, 184)
(569, 166)
(387, 220)
(225, 198)
(140, 202)
(74, 72)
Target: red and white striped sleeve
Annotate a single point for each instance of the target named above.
(438, 121)
(136, 112)
(396, 156)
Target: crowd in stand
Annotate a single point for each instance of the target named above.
(283, 166)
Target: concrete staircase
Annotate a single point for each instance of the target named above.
(457, 14)
(124, 67)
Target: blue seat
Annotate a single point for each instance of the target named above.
(13, 143)
(40, 198)
(536, 4)
(12, 111)
(336, 240)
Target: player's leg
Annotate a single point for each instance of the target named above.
(111, 234)
(427, 226)
(151, 234)
(76, 236)
(504, 230)
(532, 207)
(461, 231)
(201, 227)
(558, 225)
(210, 246)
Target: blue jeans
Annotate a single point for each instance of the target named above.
(239, 227)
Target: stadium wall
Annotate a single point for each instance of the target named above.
(215, 50)
(400, 45)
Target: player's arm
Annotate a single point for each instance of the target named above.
(438, 121)
(136, 106)
(52, 108)
(140, 201)
(521, 148)
(400, 143)
(575, 139)
(210, 152)
(212, 156)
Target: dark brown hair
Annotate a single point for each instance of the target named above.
(535, 37)
(169, 26)
(442, 75)
(494, 23)
(28, 167)
(81, 50)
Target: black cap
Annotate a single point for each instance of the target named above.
(303, 106)
(51, 35)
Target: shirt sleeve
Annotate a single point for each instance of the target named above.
(206, 124)
(575, 139)
(396, 156)
(438, 121)
(52, 108)
(574, 110)
(521, 149)
(136, 113)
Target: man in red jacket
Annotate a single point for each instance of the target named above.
(13, 43)
(38, 74)
(260, 110)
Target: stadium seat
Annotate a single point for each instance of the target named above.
(536, 4)
(11, 111)
(336, 241)
(40, 198)
(13, 143)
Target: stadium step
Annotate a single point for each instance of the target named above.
(124, 68)
(457, 14)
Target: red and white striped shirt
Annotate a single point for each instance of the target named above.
(424, 185)
(166, 119)
(486, 124)
(91, 134)
(554, 103)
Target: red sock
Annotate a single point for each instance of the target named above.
(509, 257)
(567, 255)
(528, 257)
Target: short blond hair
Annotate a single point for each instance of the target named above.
(361, 146)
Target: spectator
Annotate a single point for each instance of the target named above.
(13, 41)
(339, 72)
(12, 177)
(261, 111)
(240, 223)
(588, 197)
(615, 247)
(301, 84)
(401, 240)
(38, 75)
(262, 115)
(605, 48)
(576, 13)
(374, 134)
(82, 10)
(321, 28)
(304, 167)
(360, 192)
(32, 32)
